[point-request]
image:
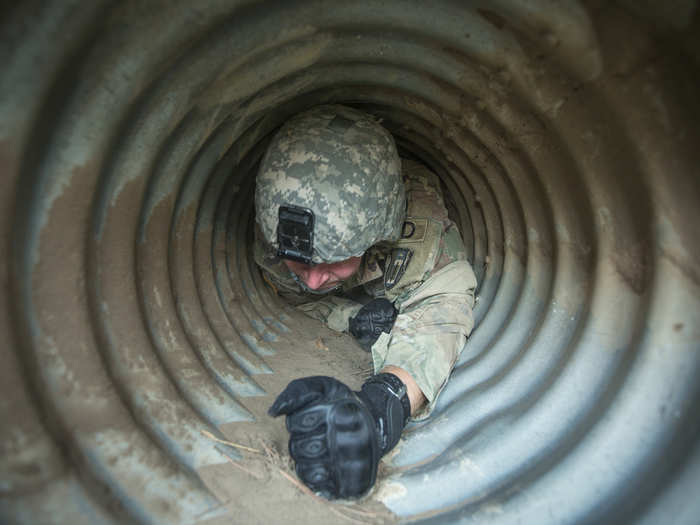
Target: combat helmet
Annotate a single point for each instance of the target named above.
(329, 186)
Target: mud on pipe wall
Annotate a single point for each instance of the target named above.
(566, 135)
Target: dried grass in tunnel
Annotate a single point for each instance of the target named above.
(565, 135)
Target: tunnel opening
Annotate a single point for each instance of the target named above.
(138, 331)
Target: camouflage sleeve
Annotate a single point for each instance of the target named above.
(332, 310)
(431, 329)
(451, 248)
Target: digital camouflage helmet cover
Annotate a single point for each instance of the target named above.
(334, 176)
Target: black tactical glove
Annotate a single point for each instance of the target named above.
(375, 317)
(337, 436)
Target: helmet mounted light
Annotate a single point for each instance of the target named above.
(295, 234)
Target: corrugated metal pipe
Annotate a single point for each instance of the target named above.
(567, 136)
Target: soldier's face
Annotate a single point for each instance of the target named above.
(324, 276)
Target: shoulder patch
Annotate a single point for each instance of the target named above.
(422, 240)
(396, 265)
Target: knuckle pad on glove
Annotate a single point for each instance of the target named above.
(313, 447)
(316, 476)
(307, 420)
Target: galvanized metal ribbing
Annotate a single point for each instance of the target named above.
(135, 318)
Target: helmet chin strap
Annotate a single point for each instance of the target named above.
(306, 289)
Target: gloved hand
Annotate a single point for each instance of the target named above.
(375, 317)
(337, 436)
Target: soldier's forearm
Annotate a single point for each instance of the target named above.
(415, 394)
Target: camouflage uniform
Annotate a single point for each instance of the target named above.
(433, 292)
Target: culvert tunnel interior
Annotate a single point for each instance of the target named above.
(137, 325)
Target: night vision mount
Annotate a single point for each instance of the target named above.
(295, 234)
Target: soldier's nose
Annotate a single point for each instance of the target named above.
(316, 277)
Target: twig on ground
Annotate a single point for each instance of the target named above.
(271, 454)
(349, 518)
(364, 513)
(212, 509)
(211, 436)
(272, 457)
(363, 373)
(238, 465)
(306, 490)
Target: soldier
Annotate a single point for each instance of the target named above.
(340, 215)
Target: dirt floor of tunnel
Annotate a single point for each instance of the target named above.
(255, 489)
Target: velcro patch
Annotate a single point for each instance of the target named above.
(414, 230)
